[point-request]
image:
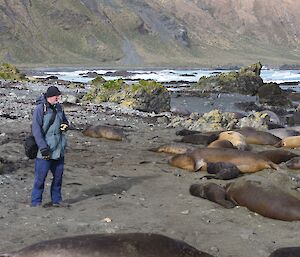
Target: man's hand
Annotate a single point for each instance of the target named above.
(64, 127)
(45, 153)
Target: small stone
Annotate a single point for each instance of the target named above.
(107, 220)
(185, 212)
(214, 249)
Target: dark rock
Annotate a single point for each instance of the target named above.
(121, 73)
(51, 77)
(90, 74)
(247, 81)
(248, 106)
(293, 119)
(290, 67)
(272, 94)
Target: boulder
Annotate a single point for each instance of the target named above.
(271, 94)
(148, 96)
(246, 81)
(102, 90)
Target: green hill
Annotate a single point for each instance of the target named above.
(149, 33)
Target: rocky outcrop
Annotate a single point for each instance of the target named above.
(10, 72)
(218, 121)
(148, 96)
(271, 94)
(246, 81)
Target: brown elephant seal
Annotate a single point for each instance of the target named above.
(172, 148)
(236, 138)
(246, 162)
(289, 142)
(187, 162)
(286, 252)
(278, 155)
(199, 139)
(110, 245)
(101, 131)
(293, 163)
(265, 199)
(212, 192)
(221, 144)
(257, 137)
(222, 170)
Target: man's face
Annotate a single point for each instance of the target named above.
(53, 99)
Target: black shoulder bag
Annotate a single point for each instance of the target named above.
(30, 145)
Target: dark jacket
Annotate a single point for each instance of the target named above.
(54, 140)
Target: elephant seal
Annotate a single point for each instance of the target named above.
(257, 137)
(187, 162)
(236, 138)
(271, 118)
(265, 199)
(221, 144)
(222, 170)
(212, 192)
(185, 132)
(278, 155)
(294, 163)
(246, 162)
(284, 132)
(199, 139)
(286, 252)
(101, 131)
(172, 148)
(289, 142)
(110, 245)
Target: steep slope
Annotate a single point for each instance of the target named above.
(149, 32)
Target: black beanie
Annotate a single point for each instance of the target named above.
(52, 91)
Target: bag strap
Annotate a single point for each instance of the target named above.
(51, 121)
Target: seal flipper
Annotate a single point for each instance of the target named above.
(274, 166)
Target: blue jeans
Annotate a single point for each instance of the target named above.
(40, 173)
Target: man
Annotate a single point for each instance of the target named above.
(48, 126)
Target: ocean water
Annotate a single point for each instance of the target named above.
(223, 102)
(173, 75)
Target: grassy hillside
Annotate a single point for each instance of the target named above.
(149, 32)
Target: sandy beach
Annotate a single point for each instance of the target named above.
(121, 186)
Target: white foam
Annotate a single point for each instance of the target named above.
(170, 75)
